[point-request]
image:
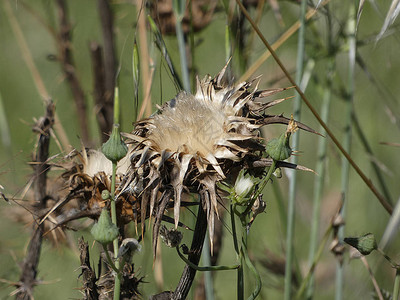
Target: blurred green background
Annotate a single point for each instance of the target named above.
(376, 106)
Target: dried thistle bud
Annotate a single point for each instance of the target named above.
(365, 244)
(104, 231)
(170, 237)
(115, 149)
(129, 246)
(279, 148)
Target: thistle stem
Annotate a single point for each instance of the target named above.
(240, 286)
(205, 269)
(189, 273)
(392, 263)
(109, 259)
(117, 285)
(250, 265)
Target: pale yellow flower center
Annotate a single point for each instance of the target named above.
(189, 126)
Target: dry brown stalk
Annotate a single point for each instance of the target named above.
(104, 105)
(29, 267)
(109, 57)
(67, 64)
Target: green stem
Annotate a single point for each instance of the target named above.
(396, 286)
(374, 164)
(317, 257)
(250, 265)
(392, 263)
(296, 141)
(347, 139)
(109, 259)
(179, 8)
(117, 285)
(205, 269)
(320, 169)
(240, 286)
(116, 106)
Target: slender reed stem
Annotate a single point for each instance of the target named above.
(295, 145)
(347, 139)
(320, 169)
(179, 9)
(374, 164)
(317, 257)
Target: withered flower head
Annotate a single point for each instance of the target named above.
(195, 141)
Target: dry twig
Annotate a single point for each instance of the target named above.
(29, 267)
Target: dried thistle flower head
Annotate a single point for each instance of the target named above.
(196, 141)
(171, 237)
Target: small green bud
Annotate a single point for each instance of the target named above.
(105, 195)
(242, 189)
(115, 149)
(104, 231)
(365, 244)
(279, 148)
